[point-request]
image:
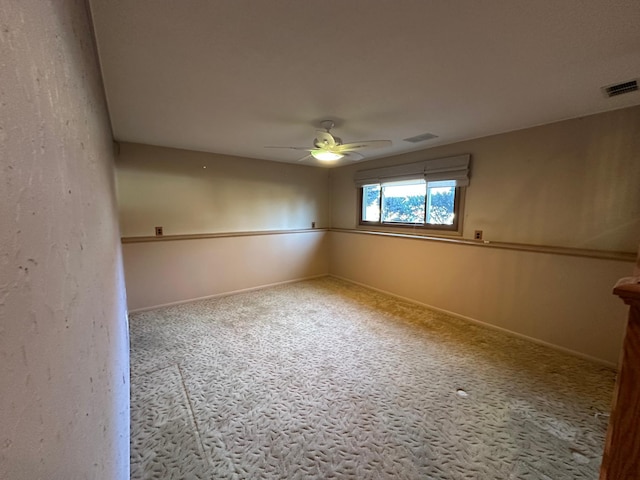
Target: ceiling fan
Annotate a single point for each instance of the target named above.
(328, 147)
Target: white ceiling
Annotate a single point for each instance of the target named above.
(232, 76)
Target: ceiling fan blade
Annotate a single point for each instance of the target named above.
(306, 157)
(291, 148)
(354, 156)
(325, 140)
(367, 144)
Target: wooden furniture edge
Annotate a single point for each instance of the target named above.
(621, 457)
(628, 290)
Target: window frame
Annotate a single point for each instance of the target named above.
(455, 227)
(454, 168)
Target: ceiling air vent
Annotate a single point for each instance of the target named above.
(620, 88)
(421, 138)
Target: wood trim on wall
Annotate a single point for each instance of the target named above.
(197, 236)
(568, 251)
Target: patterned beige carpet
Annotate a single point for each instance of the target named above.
(325, 379)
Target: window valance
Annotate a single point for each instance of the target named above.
(449, 168)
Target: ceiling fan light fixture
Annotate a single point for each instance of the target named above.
(329, 148)
(325, 155)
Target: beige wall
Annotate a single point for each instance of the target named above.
(64, 377)
(570, 184)
(165, 272)
(573, 183)
(170, 188)
(561, 300)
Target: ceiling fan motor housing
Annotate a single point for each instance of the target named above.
(324, 144)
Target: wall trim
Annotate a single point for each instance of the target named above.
(485, 324)
(198, 236)
(523, 247)
(225, 294)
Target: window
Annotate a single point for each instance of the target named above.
(425, 194)
(410, 202)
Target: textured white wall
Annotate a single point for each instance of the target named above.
(573, 183)
(64, 401)
(170, 188)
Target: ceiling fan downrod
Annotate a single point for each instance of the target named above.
(327, 125)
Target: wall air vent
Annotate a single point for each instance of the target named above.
(420, 138)
(620, 88)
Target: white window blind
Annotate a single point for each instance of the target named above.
(396, 173)
(455, 169)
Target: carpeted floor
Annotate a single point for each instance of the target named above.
(325, 379)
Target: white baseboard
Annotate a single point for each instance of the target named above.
(225, 294)
(485, 324)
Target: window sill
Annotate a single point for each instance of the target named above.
(409, 230)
